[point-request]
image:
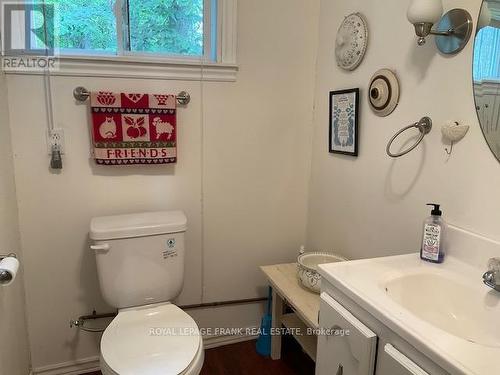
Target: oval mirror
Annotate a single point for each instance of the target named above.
(486, 73)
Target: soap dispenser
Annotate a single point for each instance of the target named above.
(434, 236)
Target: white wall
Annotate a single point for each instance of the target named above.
(254, 159)
(373, 205)
(14, 353)
(257, 148)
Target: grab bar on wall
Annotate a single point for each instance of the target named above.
(424, 126)
(81, 94)
(80, 321)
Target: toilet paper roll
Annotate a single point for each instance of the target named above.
(8, 270)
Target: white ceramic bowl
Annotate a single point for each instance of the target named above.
(307, 268)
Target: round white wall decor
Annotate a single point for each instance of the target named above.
(351, 42)
(383, 93)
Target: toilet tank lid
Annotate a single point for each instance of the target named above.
(137, 225)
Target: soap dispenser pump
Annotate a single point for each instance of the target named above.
(434, 236)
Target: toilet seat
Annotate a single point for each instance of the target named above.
(152, 340)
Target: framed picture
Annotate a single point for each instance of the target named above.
(344, 105)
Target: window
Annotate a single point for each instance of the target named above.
(147, 39)
(172, 27)
(184, 29)
(487, 54)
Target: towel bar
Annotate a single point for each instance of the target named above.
(81, 94)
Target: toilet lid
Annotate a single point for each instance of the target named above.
(160, 339)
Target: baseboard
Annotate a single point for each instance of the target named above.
(81, 366)
(211, 342)
(91, 364)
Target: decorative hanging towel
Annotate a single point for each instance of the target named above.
(132, 128)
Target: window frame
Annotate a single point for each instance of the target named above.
(216, 64)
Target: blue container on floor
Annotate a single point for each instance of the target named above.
(264, 341)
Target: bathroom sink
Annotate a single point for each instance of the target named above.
(442, 310)
(448, 304)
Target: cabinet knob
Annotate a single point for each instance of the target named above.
(340, 370)
(336, 328)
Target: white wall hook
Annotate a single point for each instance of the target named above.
(452, 131)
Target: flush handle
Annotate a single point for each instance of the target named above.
(103, 247)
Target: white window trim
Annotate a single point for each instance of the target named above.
(151, 66)
(228, 14)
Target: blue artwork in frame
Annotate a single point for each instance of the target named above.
(344, 105)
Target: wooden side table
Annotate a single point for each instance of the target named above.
(305, 304)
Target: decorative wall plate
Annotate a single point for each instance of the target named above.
(351, 42)
(383, 93)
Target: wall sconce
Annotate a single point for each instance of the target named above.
(453, 29)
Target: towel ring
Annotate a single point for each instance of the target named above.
(424, 126)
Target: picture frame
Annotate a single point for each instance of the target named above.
(343, 122)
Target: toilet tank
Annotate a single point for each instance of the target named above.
(140, 257)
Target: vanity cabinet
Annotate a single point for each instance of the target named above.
(353, 342)
(345, 345)
(392, 362)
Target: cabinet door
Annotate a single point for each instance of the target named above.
(392, 362)
(351, 353)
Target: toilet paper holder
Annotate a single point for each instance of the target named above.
(5, 276)
(11, 255)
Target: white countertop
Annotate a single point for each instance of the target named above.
(364, 281)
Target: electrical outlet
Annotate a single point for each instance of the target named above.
(55, 137)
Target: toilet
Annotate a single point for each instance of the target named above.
(140, 265)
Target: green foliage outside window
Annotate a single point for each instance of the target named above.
(172, 26)
(156, 26)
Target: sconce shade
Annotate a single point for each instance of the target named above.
(424, 11)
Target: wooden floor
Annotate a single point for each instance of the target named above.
(242, 359)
